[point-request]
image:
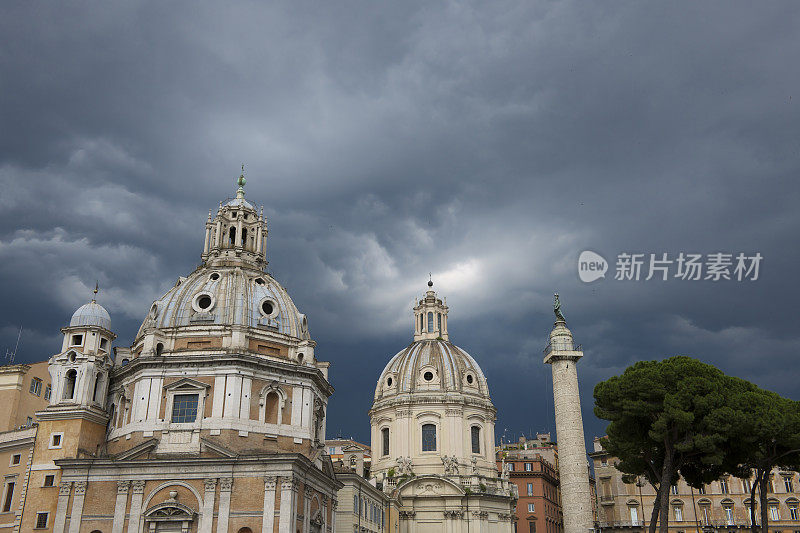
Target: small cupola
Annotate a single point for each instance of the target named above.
(237, 233)
(79, 373)
(430, 317)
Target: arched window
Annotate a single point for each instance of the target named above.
(159, 348)
(385, 435)
(97, 384)
(272, 403)
(244, 237)
(430, 322)
(421, 323)
(475, 433)
(245, 530)
(232, 236)
(428, 437)
(69, 384)
(439, 321)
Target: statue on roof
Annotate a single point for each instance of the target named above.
(557, 309)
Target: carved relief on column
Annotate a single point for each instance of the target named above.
(270, 482)
(138, 487)
(64, 488)
(80, 488)
(123, 487)
(225, 484)
(210, 484)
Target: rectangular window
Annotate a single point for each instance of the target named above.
(773, 513)
(15, 459)
(528, 467)
(728, 514)
(184, 408)
(701, 490)
(49, 480)
(678, 512)
(787, 484)
(9, 497)
(510, 467)
(41, 520)
(634, 516)
(331, 450)
(723, 486)
(530, 490)
(793, 515)
(47, 391)
(76, 340)
(531, 507)
(36, 386)
(706, 512)
(385, 435)
(674, 489)
(476, 439)
(55, 440)
(532, 527)
(104, 344)
(746, 486)
(428, 438)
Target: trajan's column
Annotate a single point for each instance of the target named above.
(573, 468)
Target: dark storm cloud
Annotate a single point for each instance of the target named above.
(486, 143)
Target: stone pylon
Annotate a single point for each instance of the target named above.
(573, 468)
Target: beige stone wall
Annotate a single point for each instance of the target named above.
(15, 396)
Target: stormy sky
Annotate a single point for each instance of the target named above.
(488, 143)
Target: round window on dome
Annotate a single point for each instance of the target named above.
(469, 379)
(203, 302)
(267, 307)
(214, 276)
(260, 281)
(428, 376)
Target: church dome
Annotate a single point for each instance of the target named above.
(91, 314)
(228, 296)
(432, 365)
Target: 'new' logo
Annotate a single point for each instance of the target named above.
(591, 266)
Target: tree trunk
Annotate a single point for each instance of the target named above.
(651, 527)
(663, 490)
(753, 487)
(762, 489)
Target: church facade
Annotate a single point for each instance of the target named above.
(213, 420)
(432, 428)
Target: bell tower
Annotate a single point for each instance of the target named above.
(75, 421)
(430, 317)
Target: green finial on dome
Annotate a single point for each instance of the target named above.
(241, 181)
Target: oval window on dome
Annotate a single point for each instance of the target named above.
(260, 281)
(470, 379)
(203, 302)
(214, 276)
(154, 310)
(428, 376)
(389, 382)
(267, 307)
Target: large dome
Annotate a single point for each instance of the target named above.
(91, 314)
(433, 365)
(228, 296)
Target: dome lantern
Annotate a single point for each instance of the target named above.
(430, 317)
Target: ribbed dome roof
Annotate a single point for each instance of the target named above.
(228, 296)
(432, 366)
(91, 314)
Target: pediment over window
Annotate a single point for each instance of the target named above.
(170, 511)
(187, 384)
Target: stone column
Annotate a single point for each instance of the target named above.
(324, 512)
(307, 494)
(225, 486)
(208, 235)
(120, 505)
(334, 505)
(288, 512)
(573, 467)
(77, 507)
(207, 514)
(60, 519)
(217, 235)
(268, 523)
(136, 506)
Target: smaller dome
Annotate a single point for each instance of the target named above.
(91, 314)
